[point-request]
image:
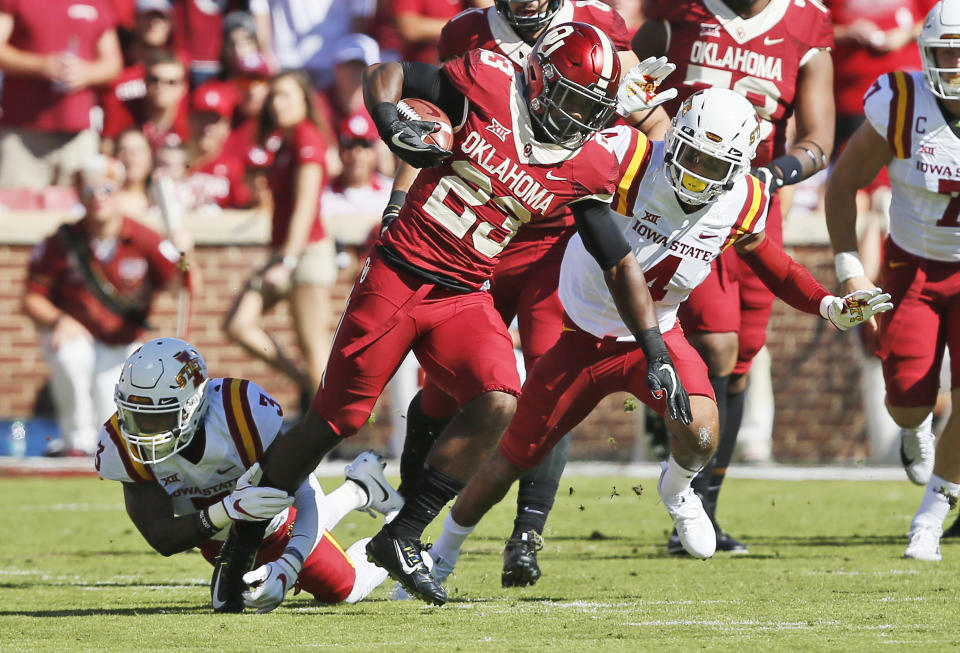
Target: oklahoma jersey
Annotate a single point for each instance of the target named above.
(674, 248)
(240, 423)
(459, 217)
(759, 57)
(487, 29)
(925, 168)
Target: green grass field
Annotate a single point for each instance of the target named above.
(825, 573)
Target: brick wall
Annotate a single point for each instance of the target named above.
(818, 415)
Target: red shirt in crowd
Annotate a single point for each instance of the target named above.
(48, 27)
(124, 107)
(303, 145)
(198, 30)
(855, 66)
(220, 181)
(445, 9)
(139, 263)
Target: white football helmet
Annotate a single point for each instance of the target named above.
(710, 144)
(161, 398)
(941, 29)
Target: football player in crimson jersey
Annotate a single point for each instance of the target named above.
(776, 53)
(911, 129)
(186, 448)
(523, 148)
(524, 283)
(688, 200)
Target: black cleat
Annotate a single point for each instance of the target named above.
(953, 531)
(727, 544)
(400, 557)
(233, 561)
(520, 566)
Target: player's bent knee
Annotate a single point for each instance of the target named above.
(700, 437)
(491, 411)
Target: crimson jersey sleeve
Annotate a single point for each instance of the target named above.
(480, 75)
(309, 144)
(606, 18)
(46, 260)
(462, 33)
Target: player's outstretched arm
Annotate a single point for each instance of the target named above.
(794, 284)
(605, 241)
(863, 157)
(151, 510)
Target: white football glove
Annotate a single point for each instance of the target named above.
(249, 502)
(269, 584)
(855, 308)
(638, 88)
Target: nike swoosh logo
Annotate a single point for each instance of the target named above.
(769, 41)
(705, 236)
(238, 508)
(225, 469)
(673, 389)
(553, 177)
(283, 580)
(386, 495)
(407, 569)
(396, 141)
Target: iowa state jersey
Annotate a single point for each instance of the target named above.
(925, 168)
(487, 29)
(759, 57)
(240, 423)
(674, 248)
(458, 217)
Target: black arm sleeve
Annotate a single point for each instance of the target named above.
(428, 82)
(599, 232)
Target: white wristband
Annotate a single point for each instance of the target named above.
(218, 515)
(848, 266)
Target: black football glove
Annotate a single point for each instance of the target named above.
(405, 139)
(769, 177)
(662, 377)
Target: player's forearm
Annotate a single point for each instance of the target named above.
(841, 215)
(382, 83)
(14, 61)
(786, 278)
(628, 287)
(41, 310)
(178, 534)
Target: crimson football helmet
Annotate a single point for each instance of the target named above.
(572, 75)
(161, 398)
(528, 16)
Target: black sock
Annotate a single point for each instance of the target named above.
(422, 432)
(539, 488)
(701, 483)
(728, 442)
(433, 492)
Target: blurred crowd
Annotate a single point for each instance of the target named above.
(257, 104)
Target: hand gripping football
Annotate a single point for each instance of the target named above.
(416, 109)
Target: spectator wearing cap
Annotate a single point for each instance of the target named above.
(198, 31)
(216, 178)
(303, 34)
(89, 291)
(302, 267)
(161, 113)
(52, 54)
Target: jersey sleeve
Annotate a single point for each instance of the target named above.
(660, 9)
(611, 22)
(482, 76)
(460, 34)
(888, 106)
(253, 418)
(752, 218)
(113, 460)
(309, 143)
(42, 270)
(632, 150)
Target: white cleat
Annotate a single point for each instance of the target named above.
(917, 451)
(693, 525)
(924, 544)
(367, 470)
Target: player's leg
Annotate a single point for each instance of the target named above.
(107, 364)
(942, 489)
(71, 377)
(428, 414)
(484, 380)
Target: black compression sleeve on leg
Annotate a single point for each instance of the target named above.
(538, 489)
(422, 432)
(728, 442)
(432, 494)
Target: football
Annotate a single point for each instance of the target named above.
(416, 109)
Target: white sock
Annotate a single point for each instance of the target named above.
(936, 503)
(339, 503)
(676, 479)
(368, 577)
(926, 426)
(450, 541)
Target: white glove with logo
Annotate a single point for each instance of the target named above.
(855, 308)
(638, 88)
(270, 583)
(249, 502)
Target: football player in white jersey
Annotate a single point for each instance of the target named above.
(681, 202)
(912, 128)
(185, 447)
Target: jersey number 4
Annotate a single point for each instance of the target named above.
(660, 275)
